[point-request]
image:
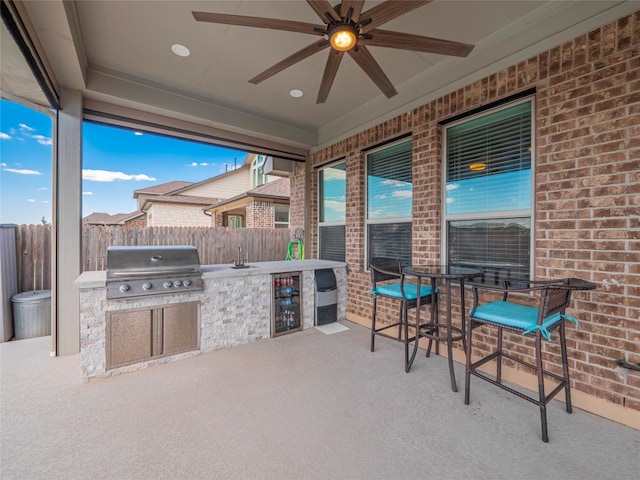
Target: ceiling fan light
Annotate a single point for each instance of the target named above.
(343, 38)
(478, 167)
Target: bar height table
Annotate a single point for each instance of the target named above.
(446, 274)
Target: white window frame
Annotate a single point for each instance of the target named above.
(319, 203)
(277, 224)
(530, 212)
(396, 220)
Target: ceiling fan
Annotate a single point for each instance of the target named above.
(346, 29)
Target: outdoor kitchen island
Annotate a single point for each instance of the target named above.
(233, 308)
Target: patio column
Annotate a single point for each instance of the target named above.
(67, 223)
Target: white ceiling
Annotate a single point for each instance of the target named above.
(120, 51)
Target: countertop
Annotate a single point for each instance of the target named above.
(98, 279)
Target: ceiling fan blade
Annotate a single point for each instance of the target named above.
(290, 60)
(322, 9)
(330, 70)
(259, 22)
(365, 60)
(387, 11)
(416, 43)
(356, 5)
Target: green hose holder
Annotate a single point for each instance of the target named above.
(295, 246)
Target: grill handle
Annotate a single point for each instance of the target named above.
(153, 272)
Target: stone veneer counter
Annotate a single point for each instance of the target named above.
(234, 308)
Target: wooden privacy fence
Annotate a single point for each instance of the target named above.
(214, 244)
(33, 257)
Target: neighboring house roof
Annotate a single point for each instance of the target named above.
(163, 188)
(277, 190)
(99, 218)
(180, 199)
(233, 171)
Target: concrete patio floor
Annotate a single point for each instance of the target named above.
(301, 406)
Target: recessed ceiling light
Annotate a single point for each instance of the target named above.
(180, 50)
(296, 93)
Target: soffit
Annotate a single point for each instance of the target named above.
(120, 53)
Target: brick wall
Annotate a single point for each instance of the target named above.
(297, 201)
(587, 192)
(217, 220)
(164, 214)
(260, 214)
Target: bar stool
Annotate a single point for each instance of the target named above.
(553, 298)
(388, 281)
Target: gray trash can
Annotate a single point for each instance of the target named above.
(32, 314)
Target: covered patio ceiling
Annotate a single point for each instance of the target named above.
(120, 52)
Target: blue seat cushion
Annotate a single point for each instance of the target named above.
(516, 316)
(410, 291)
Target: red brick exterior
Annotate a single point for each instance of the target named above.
(587, 193)
(260, 214)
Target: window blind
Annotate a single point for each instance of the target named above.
(488, 171)
(332, 243)
(389, 202)
(500, 140)
(332, 184)
(499, 247)
(389, 182)
(391, 240)
(489, 162)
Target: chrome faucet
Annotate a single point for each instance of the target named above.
(239, 261)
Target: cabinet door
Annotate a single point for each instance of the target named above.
(180, 328)
(129, 337)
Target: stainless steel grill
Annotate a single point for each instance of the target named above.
(141, 271)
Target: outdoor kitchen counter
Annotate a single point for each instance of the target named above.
(233, 308)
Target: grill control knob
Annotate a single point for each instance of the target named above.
(146, 286)
(187, 283)
(178, 283)
(124, 287)
(167, 284)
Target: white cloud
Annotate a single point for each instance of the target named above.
(402, 194)
(42, 140)
(137, 134)
(3, 164)
(204, 164)
(22, 171)
(43, 188)
(87, 193)
(44, 201)
(334, 205)
(26, 131)
(4, 136)
(108, 176)
(194, 164)
(31, 200)
(395, 183)
(331, 174)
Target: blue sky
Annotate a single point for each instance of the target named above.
(115, 163)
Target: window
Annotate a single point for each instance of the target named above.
(258, 178)
(332, 194)
(234, 221)
(281, 216)
(488, 191)
(389, 202)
